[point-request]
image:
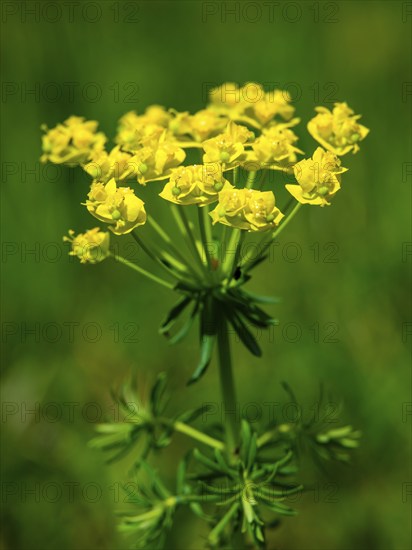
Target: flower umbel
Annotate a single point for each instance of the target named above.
(318, 178)
(72, 142)
(196, 184)
(247, 209)
(228, 148)
(90, 247)
(117, 206)
(275, 149)
(338, 131)
(117, 164)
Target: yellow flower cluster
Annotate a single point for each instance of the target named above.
(117, 164)
(274, 149)
(90, 247)
(251, 104)
(318, 178)
(228, 148)
(134, 128)
(196, 184)
(247, 209)
(72, 142)
(154, 150)
(338, 131)
(244, 129)
(179, 128)
(117, 206)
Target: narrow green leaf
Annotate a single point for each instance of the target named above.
(206, 351)
(244, 334)
(174, 313)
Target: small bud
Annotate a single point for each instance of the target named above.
(355, 137)
(224, 156)
(116, 215)
(284, 428)
(218, 186)
(176, 191)
(270, 218)
(142, 167)
(322, 191)
(174, 126)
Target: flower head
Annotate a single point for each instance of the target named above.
(227, 148)
(90, 247)
(156, 158)
(318, 178)
(72, 142)
(133, 128)
(117, 206)
(262, 107)
(227, 100)
(205, 124)
(274, 149)
(251, 104)
(104, 166)
(196, 184)
(338, 130)
(247, 209)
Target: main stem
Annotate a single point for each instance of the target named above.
(227, 385)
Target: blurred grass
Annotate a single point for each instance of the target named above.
(170, 52)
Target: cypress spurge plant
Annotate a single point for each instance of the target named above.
(236, 478)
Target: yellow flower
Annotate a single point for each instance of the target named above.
(117, 206)
(196, 184)
(227, 100)
(72, 142)
(318, 178)
(247, 209)
(263, 106)
(339, 130)
(274, 149)
(205, 124)
(155, 160)
(90, 247)
(133, 128)
(227, 148)
(104, 166)
(156, 114)
(179, 124)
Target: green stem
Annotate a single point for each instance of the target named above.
(165, 237)
(227, 384)
(267, 437)
(232, 247)
(179, 273)
(250, 180)
(248, 260)
(183, 428)
(235, 175)
(143, 271)
(190, 237)
(214, 534)
(205, 233)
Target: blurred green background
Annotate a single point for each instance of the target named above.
(94, 325)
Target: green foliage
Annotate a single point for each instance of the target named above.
(241, 491)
